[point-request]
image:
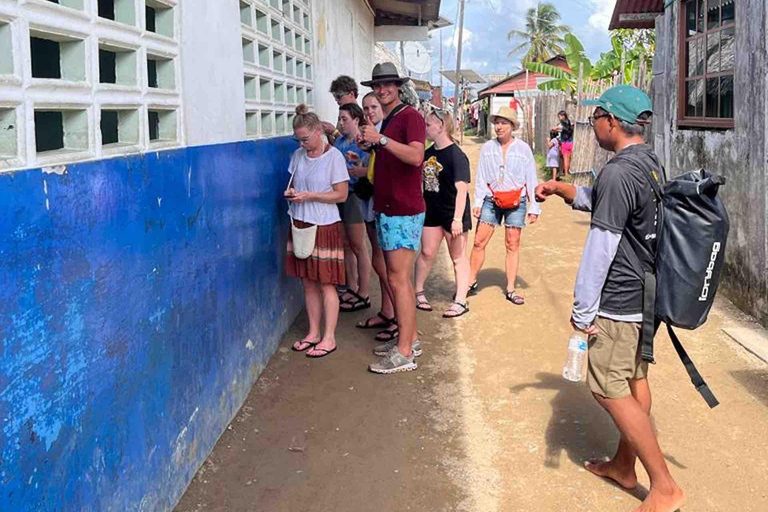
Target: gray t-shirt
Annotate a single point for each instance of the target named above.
(623, 204)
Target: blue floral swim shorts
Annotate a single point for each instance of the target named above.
(399, 231)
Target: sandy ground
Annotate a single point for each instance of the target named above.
(486, 423)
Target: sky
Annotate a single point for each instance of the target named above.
(487, 22)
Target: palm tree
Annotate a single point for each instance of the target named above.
(542, 38)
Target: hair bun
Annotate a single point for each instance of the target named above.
(302, 110)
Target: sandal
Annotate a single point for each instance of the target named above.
(514, 298)
(422, 305)
(472, 289)
(366, 324)
(454, 311)
(388, 335)
(357, 303)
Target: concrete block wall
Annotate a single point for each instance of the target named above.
(142, 288)
(140, 297)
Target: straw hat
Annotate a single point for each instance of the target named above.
(509, 114)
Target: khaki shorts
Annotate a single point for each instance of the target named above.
(615, 358)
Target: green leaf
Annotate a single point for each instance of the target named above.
(549, 70)
(575, 55)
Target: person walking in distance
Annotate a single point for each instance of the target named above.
(608, 304)
(446, 192)
(506, 181)
(565, 129)
(553, 154)
(385, 318)
(399, 206)
(319, 181)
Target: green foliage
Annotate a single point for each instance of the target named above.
(636, 47)
(543, 37)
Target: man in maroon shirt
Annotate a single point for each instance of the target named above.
(399, 206)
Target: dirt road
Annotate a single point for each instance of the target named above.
(486, 423)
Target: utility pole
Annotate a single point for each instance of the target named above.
(402, 58)
(458, 64)
(441, 63)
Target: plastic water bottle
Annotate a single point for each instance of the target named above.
(577, 356)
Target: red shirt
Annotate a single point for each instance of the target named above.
(397, 185)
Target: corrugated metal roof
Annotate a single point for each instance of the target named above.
(516, 82)
(405, 12)
(636, 13)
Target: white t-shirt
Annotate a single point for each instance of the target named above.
(317, 175)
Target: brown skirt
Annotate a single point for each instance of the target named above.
(326, 263)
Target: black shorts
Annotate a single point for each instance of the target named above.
(434, 220)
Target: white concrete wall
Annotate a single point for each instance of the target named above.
(212, 72)
(343, 45)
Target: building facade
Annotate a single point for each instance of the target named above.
(710, 111)
(142, 229)
(143, 158)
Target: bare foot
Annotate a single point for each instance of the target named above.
(662, 501)
(611, 470)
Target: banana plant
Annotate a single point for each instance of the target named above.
(562, 79)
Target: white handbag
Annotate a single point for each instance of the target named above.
(303, 239)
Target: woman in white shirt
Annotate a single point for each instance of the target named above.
(506, 165)
(319, 181)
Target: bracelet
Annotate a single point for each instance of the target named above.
(456, 220)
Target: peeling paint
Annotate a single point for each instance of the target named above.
(61, 170)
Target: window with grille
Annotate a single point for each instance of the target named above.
(707, 62)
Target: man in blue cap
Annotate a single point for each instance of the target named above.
(608, 296)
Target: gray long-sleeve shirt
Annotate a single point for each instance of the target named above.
(599, 252)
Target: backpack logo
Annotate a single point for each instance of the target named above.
(710, 268)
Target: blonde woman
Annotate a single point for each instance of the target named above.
(319, 181)
(446, 193)
(506, 165)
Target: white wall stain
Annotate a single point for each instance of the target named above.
(61, 170)
(250, 345)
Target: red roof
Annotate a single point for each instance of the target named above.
(516, 82)
(636, 13)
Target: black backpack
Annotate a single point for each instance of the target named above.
(692, 229)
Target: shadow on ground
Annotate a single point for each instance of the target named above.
(754, 381)
(578, 425)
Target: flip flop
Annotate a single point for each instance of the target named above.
(325, 352)
(308, 344)
(472, 289)
(366, 324)
(514, 298)
(464, 309)
(423, 305)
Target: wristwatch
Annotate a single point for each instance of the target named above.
(383, 141)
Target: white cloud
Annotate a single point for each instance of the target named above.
(454, 42)
(601, 18)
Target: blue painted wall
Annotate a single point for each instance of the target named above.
(140, 298)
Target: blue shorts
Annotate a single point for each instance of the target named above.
(493, 215)
(399, 231)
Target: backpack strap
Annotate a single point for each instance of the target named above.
(693, 373)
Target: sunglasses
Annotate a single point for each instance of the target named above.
(594, 117)
(302, 140)
(338, 95)
(440, 114)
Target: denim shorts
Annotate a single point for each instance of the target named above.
(493, 215)
(399, 231)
